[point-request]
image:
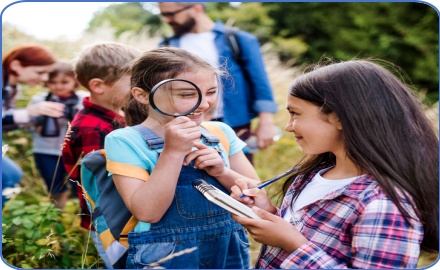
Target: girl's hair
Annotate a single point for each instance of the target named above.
(155, 66)
(385, 130)
(28, 55)
(64, 68)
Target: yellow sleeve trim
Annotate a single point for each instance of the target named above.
(127, 170)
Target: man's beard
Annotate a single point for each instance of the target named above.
(181, 29)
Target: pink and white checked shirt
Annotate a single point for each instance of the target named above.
(357, 226)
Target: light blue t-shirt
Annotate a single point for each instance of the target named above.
(126, 145)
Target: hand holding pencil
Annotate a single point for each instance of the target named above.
(256, 195)
(276, 178)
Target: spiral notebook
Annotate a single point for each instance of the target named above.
(222, 199)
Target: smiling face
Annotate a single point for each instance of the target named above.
(315, 132)
(180, 97)
(32, 75)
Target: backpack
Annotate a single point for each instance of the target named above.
(111, 218)
(231, 38)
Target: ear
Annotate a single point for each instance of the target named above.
(96, 86)
(198, 8)
(140, 95)
(15, 65)
(332, 118)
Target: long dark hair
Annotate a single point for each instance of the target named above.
(385, 130)
(155, 66)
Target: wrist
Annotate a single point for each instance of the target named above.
(173, 153)
(223, 174)
(265, 119)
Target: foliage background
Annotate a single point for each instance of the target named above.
(35, 235)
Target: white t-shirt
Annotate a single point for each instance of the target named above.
(202, 45)
(315, 190)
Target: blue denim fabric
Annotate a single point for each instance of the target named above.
(11, 176)
(191, 221)
(247, 91)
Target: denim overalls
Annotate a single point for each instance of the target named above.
(198, 233)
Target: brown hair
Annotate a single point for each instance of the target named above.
(155, 66)
(65, 68)
(108, 61)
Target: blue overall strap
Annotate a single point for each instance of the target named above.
(208, 136)
(152, 139)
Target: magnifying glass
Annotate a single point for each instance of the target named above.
(175, 97)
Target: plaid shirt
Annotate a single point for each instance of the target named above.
(357, 226)
(88, 130)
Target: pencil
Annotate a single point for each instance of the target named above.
(276, 178)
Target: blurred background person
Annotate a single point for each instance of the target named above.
(246, 93)
(48, 134)
(30, 65)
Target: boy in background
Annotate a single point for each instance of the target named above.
(103, 69)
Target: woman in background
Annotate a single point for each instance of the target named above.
(30, 65)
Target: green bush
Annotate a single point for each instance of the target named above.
(38, 235)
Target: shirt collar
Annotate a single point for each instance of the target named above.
(108, 114)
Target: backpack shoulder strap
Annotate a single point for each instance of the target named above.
(166, 41)
(152, 139)
(231, 38)
(218, 132)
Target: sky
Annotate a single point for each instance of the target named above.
(56, 19)
(51, 20)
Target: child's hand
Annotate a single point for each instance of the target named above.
(48, 108)
(272, 230)
(180, 134)
(206, 158)
(254, 196)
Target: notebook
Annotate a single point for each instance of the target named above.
(223, 200)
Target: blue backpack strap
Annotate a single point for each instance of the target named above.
(208, 136)
(156, 142)
(152, 139)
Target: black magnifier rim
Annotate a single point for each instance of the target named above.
(172, 80)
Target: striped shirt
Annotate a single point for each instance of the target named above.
(357, 226)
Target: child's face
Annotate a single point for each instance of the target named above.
(62, 85)
(315, 132)
(207, 83)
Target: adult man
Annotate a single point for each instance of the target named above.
(246, 93)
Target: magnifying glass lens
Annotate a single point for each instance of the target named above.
(176, 97)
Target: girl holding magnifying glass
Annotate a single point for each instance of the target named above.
(155, 184)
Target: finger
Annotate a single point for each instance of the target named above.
(200, 145)
(264, 214)
(242, 220)
(242, 184)
(208, 161)
(195, 154)
(235, 192)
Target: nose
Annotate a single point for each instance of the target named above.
(205, 103)
(289, 127)
(167, 19)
